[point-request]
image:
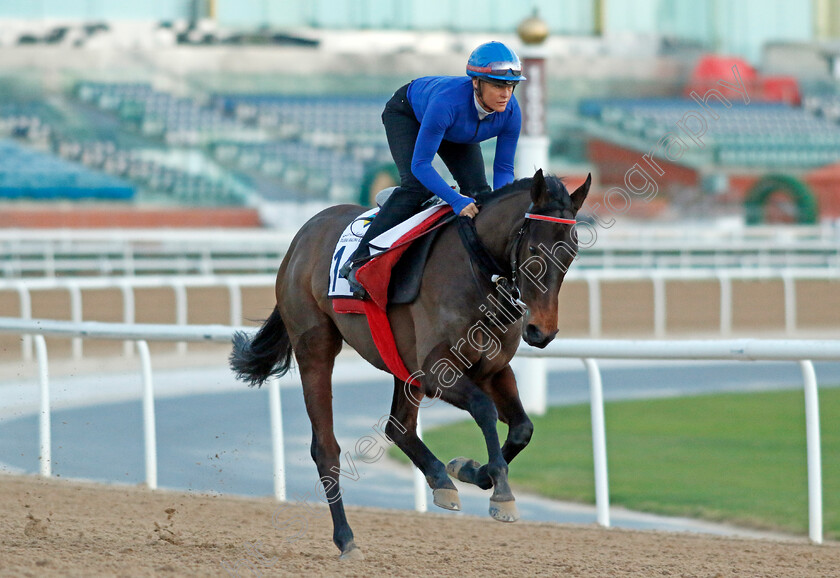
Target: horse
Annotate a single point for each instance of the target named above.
(456, 350)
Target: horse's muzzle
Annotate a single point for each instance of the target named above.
(534, 336)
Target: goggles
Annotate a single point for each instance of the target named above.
(512, 69)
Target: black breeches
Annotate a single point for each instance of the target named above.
(464, 161)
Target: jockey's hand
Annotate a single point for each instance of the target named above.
(469, 211)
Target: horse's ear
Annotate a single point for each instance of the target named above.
(580, 193)
(539, 190)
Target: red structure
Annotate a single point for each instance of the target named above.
(613, 161)
(711, 68)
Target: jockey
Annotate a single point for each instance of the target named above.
(448, 116)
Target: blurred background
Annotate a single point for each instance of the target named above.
(118, 114)
(157, 157)
(195, 137)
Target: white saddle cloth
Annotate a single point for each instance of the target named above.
(349, 240)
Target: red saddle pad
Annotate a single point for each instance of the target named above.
(375, 276)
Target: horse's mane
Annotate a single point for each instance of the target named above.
(556, 188)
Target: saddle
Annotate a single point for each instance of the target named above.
(392, 277)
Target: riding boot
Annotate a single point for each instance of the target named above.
(402, 204)
(349, 269)
(356, 288)
(350, 264)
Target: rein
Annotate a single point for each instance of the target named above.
(504, 278)
(479, 254)
(490, 266)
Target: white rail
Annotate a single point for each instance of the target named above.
(139, 334)
(26, 252)
(723, 277)
(127, 286)
(803, 351)
(594, 280)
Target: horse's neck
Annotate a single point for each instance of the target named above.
(497, 226)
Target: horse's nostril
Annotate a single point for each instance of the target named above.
(536, 337)
(533, 333)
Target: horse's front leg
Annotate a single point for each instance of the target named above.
(505, 396)
(466, 395)
(402, 430)
(502, 504)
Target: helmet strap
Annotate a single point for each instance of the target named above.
(478, 95)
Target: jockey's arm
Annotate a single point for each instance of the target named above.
(429, 138)
(506, 150)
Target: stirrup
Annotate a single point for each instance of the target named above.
(356, 288)
(344, 272)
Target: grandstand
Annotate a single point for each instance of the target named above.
(239, 145)
(322, 143)
(207, 106)
(223, 149)
(26, 173)
(756, 135)
(215, 114)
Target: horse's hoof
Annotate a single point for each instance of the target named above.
(504, 511)
(352, 552)
(447, 499)
(455, 467)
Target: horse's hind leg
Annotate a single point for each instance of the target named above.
(505, 396)
(402, 429)
(315, 352)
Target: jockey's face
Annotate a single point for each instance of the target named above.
(493, 97)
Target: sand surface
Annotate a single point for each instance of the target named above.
(62, 528)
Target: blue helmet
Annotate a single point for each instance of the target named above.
(495, 62)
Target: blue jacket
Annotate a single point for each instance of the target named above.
(445, 108)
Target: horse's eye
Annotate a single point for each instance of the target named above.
(532, 250)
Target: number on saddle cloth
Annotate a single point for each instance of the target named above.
(347, 244)
(349, 240)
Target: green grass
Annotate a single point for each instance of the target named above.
(733, 457)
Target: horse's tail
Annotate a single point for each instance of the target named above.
(268, 353)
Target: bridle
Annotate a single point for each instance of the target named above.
(510, 287)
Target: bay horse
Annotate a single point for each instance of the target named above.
(457, 338)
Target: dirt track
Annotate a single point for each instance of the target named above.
(59, 528)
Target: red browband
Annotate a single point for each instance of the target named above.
(552, 219)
